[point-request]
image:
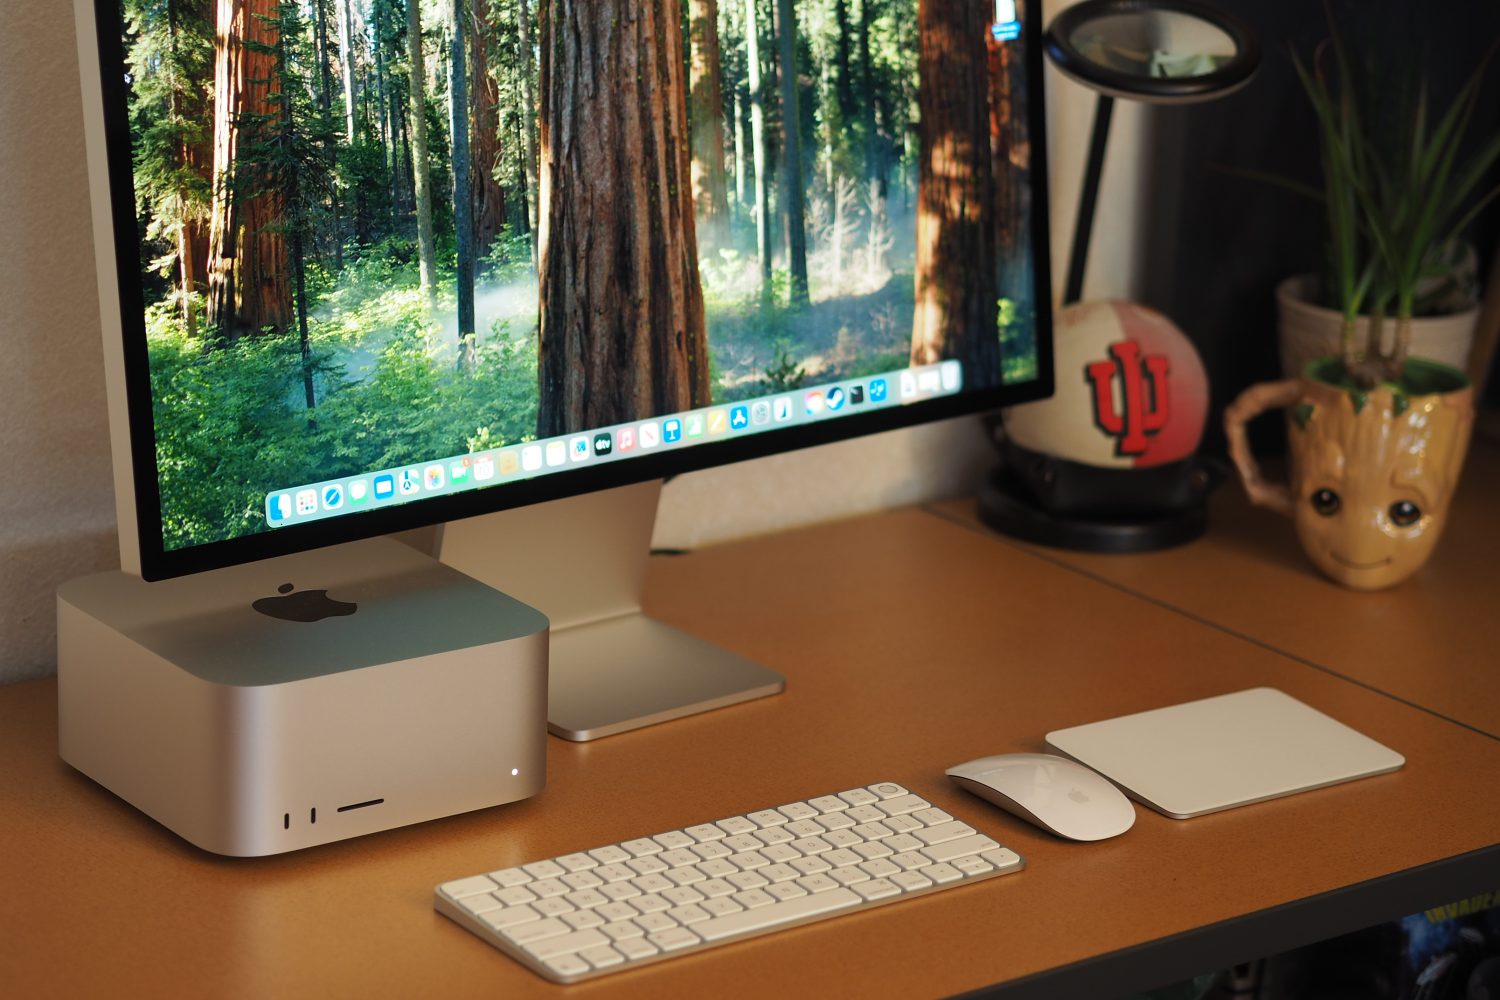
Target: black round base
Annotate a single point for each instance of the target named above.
(1005, 506)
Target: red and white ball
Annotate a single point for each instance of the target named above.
(1131, 391)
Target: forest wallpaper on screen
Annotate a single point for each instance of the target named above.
(380, 232)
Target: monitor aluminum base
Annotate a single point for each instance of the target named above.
(251, 735)
(582, 561)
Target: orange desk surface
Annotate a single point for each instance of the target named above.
(1434, 640)
(909, 643)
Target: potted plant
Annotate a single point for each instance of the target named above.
(1395, 200)
(1377, 437)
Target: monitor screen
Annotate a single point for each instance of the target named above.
(391, 262)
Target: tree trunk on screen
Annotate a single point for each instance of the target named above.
(791, 176)
(874, 155)
(706, 97)
(463, 194)
(248, 286)
(763, 220)
(622, 329)
(1010, 145)
(843, 64)
(955, 280)
(195, 157)
(484, 138)
(346, 59)
(421, 166)
(529, 113)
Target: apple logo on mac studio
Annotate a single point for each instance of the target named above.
(305, 606)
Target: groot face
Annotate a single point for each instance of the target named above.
(1372, 485)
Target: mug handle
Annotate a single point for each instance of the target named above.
(1252, 403)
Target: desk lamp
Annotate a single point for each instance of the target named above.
(1109, 463)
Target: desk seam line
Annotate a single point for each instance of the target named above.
(1194, 617)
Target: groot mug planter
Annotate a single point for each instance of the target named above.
(1372, 471)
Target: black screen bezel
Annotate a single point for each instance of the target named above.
(157, 563)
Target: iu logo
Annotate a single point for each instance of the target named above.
(1147, 406)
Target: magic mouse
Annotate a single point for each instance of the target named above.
(1054, 793)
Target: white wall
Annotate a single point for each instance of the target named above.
(56, 504)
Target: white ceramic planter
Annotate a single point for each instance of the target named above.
(1309, 332)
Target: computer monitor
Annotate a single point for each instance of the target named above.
(372, 266)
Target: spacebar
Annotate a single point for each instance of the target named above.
(768, 917)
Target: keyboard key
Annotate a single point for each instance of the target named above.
(952, 830)
(479, 904)
(636, 948)
(911, 881)
(835, 821)
(647, 865)
(877, 888)
(602, 957)
(858, 797)
(972, 865)
(805, 828)
(613, 872)
(554, 907)
(510, 916)
(903, 842)
(653, 922)
(652, 883)
(508, 877)
(675, 939)
(609, 855)
(567, 965)
(547, 887)
(943, 873)
(948, 850)
(786, 890)
(565, 944)
(679, 895)
(930, 817)
(586, 899)
(1001, 857)
(641, 848)
(581, 920)
(469, 886)
(516, 895)
(535, 930)
(797, 810)
(714, 887)
(544, 869)
(773, 836)
(901, 824)
(746, 880)
(591, 913)
(888, 790)
(777, 913)
(688, 915)
(650, 903)
(619, 930)
(619, 891)
(901, 805)
(721, 907)
(616, 911)
(582, 880)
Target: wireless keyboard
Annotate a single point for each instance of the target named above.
(583, 915)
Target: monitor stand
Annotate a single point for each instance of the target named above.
(582, 561)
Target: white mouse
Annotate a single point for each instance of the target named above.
(1057, 794)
